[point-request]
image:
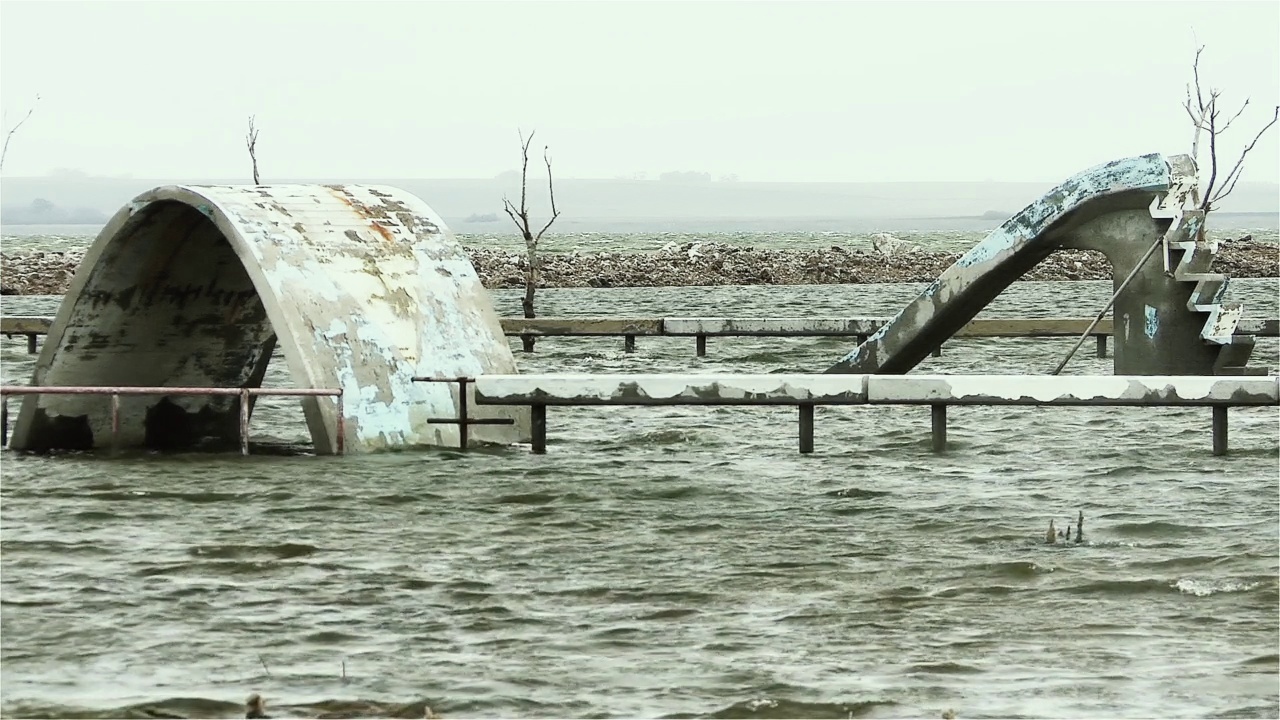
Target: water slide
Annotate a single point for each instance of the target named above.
(1169, 318)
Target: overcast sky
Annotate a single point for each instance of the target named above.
(794, 91)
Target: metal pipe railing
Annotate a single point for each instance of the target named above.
(116, 391)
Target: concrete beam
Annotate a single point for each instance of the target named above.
(1173, 390)
(838, 389)
(671, 389)
(771, 327)
(582, 326)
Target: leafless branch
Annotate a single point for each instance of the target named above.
(551, 190)
(520, 216)
(1227, 124)
(1206, 117)
(251, 141)
(1230, 183)
(9, 135)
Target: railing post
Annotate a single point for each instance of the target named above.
(244, 421)
(538, 426)
(462, 412)
(115, 423)
(937, 352)
(1219, 429)
(702, 345)
(806, 428)
(938, 416)
(341, 435)
(629, 343)
(4, 421)
(31, 343)
(1102, 346)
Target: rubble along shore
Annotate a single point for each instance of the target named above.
(710, 263)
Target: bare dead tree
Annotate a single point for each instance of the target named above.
(1206, 117)
(520, 216)
(251, 141)
(9, 135)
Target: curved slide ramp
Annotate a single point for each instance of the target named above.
(1168, 321)
(362, 287)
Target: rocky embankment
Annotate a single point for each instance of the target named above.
(48, 273)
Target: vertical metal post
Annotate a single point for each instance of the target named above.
(538, 425)
(1102, 346)
(115, 423)
(462, 412)
(342, 424)
(31, 344)
(244, 421)
(4, 421)
(702, 345)
(629, 344)
(937, 352)
(862, 339)
(1219, 429)
(806, 428)
(938, 415)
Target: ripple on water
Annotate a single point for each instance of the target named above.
(664, 562)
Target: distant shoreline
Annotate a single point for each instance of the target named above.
(1221, 222)
(701, 264)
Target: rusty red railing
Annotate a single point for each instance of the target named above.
(116, 392)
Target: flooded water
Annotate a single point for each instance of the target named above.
(669, 562)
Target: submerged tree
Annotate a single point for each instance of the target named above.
(9, 135)
(1207, 118)
(251, 142)
(520, 216)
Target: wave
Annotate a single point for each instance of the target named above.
(282, 551)
(1154, 528)
(1186, 586)
(770, 708)
(182, 707)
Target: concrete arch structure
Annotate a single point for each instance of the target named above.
(1167, 323)
(362, 287)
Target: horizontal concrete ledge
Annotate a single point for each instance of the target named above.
(772, 327)
(747, 327)
(1171, 390)
(25, 324)
(995, 327)
(779, 389)
(610, 326)
(671, 389)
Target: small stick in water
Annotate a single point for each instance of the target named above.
(255, 708)
(1080, 527)
(264, 665)
(344, 669)
(1051, 537)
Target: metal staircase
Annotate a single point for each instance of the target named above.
(1188, 255)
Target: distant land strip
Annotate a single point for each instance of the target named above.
(705, 263)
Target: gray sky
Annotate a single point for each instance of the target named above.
(796, 91)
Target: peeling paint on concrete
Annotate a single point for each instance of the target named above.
(658, 389)
(187, 284)
(1152, 323)
(838, 389)
(1120, 208)
(1072, 390)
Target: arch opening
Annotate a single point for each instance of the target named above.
(362, 288)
